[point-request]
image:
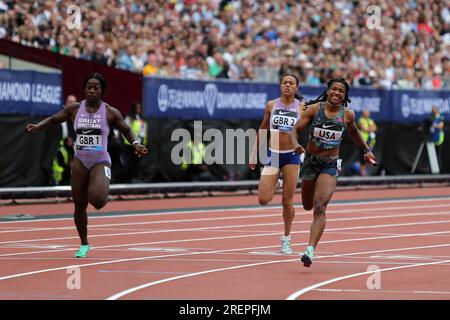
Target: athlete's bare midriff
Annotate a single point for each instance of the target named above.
(280, 141)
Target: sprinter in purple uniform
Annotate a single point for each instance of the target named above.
(91, 169)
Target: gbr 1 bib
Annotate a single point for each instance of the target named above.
(89, 139)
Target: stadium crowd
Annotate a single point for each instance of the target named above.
(249, 40)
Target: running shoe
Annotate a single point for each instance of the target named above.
(82, 252)
(286, 245)
(308, 256)
(307, 262)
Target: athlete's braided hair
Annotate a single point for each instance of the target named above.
(297, 95)
(323, 97)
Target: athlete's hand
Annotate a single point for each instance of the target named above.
(140, 150)
(370, 158)
(299, 149)
(31, 127)
(253, 160)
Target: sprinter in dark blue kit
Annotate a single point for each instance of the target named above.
(328, 117)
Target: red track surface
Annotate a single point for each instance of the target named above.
(232, 254)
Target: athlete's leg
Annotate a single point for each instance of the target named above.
(99, 179)
(290, 179)
(309, 173)
(80, 180)
(325, 186)
(308, 188)
(267, 184)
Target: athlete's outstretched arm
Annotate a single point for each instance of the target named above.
(356, 136)
(125, 129)
(60, 117)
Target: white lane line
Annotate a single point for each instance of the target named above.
(154, 283)
(343, 211)
(298, 293)
(146, 285)
(371, 262)
(252, 208)
(198, 253)
(383, 291)
(172, 260)
(262, 235)
(248, 225)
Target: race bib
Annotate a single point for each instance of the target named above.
(89, 139)
(327, 135)
(108, 172)
(283, 120)
(302, 157)
(339, 165)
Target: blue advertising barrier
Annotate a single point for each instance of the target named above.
(226, 100)
(30, 92)
(415, 105)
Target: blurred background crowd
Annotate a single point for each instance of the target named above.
(248, 40)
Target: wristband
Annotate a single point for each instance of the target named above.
(367, 149)
(134, 142)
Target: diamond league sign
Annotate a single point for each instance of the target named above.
(183, 99)
(179, 99)
(242, 100)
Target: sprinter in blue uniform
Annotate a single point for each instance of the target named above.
(280, 116)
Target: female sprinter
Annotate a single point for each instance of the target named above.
(280, 115)
(327, 116)
(91, 169)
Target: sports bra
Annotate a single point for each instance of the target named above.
(283, 118)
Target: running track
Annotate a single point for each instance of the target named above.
(226, 248)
